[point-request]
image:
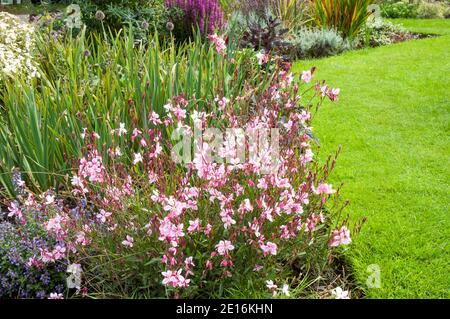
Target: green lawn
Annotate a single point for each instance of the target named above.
(393, 123)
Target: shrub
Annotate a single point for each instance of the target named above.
(263, 32)
(145, 17)
(315, 43)
(381, 32)
(16, 49)
(346, 16)
(398, 9)
(431, 10)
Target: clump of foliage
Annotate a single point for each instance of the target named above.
(315, 43)
(144, 16)
(264, 32)
(432, 10)
(398, 9)
(381, 32)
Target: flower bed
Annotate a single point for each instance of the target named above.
(151, 168)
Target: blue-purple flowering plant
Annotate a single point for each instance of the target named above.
(21, 243)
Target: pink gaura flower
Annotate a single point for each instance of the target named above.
(324, 189)
(77, 182)
(143, 143)
(51, 256)
(154, 118)
(223, 102)
(81, 238)
(189, 261)
(262, 57)
(306, 76)
(179, 113)
(128, 241)
(34, 262)
(152, 177)
(208, 229)
(55, 226)
(14, 210)
(103, 215)
(223, 247)
(194, 225)
(304, 116)
(135, 134)
(219, 42)
(93, 168)
(333, 94)
(258, 268)
(30, 201)
(55, 295)
(245, 206)
(340, 237)
(170, 231)
(269, 248)
(174, 279)
(175, 207)
(306, 157)
(59, 252)
(262, 184)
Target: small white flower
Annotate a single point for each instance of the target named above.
(339, 293)
(168, 107)
(271, 285)
(285, 290)
(122, 130)
(137, 158)
(49, 199)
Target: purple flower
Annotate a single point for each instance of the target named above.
(207, 14)
(18, 243)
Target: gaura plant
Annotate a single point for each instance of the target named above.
(130, 221)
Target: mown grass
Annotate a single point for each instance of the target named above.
(393, 123)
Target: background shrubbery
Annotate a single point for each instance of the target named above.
(315, 43)
(145, 16)
(427, 9)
